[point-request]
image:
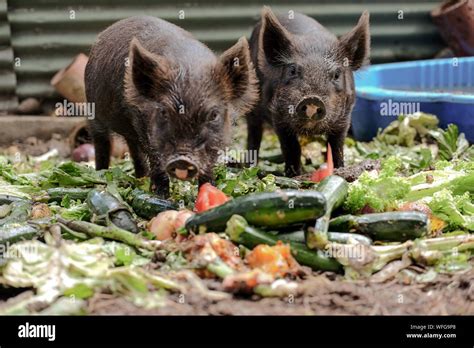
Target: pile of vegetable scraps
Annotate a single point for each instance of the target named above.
(404, 200)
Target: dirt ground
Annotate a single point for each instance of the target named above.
(321, 294)
(33, 146)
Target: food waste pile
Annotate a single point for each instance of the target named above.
(401, 209)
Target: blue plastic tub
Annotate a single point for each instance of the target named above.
(444, 87)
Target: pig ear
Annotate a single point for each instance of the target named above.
(146, 74)
(238, 72)
(274, 41)
(355, 45)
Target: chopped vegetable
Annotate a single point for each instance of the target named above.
(451, 144)
(276, 260)
(456, 211)
(390, 226)
(14, 232)
(57, 194)
(214, 254)
(209, 197)
(334, 188)
(338, 237)
(326, 169)
(168, 223)
(106, 206)
(110, 232)
(147, 205)
(240, 232)
(40, 210)
(378, 191)
(269, 209)
(19, 213)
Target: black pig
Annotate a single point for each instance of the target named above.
(306, 82)
(168, 95)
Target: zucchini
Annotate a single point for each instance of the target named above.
(240, 232)
(344, 238)
(397, 226)
(56, 194)
(105, 205)
(15, 232)
(5, 210)
(334, 188)
(269, 209)
(20, 212)
(287, 183)
(146, 205)
(7, 199)
(335, 237)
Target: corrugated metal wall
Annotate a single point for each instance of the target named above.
(47, 34)
(8, 99)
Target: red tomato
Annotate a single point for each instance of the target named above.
(326, 169)
(209, 197)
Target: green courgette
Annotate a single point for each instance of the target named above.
(147, 205)
(240, 232)
(15, 232)
(344, 238)
(287, 183)
(7, 199)
(56, 194)
(270, 209)
(397, 226)
(5, 210)
(106, 206)
(336, 237)
(19, 213)
(334, 188)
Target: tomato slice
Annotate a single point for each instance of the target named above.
(326, 169)
(209, 197)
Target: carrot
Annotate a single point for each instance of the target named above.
(326, 169)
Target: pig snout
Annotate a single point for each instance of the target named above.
(182, 168)
(311, 108)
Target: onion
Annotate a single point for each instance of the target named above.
(181, 218)
(162, 225)
(83, 153)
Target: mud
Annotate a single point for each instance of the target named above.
(320, 294)
(33, 146)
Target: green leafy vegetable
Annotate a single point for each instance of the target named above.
(451, 144)
(378, 192)
(244, 182)
(456, 211)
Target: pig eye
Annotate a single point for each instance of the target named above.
(292, 70)
(337, 74)
(214, 115)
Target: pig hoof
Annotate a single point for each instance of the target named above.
(292, 172)
(161, 192)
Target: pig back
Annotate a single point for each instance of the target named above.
(108, 58)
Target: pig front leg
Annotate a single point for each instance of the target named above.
(291, 149)
(254, 135)
(101, 139)
(337, 146)
(139, 159)
(160, 182)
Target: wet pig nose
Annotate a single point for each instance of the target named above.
(182, 168)
(312, 108)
